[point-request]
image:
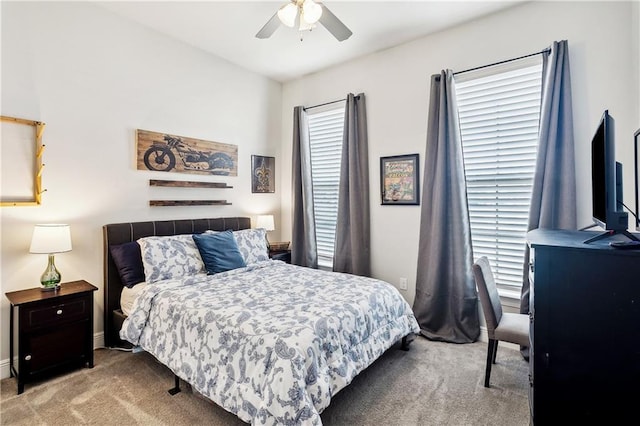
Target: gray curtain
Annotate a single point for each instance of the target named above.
(353, 239)
(553, 201)
(303, 241)
(446, 302)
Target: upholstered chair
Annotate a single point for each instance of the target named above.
(501, 326)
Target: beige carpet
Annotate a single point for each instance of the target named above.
(433, 384)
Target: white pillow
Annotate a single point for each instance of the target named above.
(129, 296)
(170, 257)
(252, 244)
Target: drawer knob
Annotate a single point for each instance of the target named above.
(27, 358)
(59, 312)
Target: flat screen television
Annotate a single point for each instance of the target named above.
(606, 183)
(636, 136)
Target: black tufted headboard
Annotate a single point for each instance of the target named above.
(118, 233)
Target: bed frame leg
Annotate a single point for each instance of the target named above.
(174, 390)
(406, 341)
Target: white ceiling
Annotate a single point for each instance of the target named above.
(227, 29)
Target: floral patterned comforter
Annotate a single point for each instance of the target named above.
(272, 342)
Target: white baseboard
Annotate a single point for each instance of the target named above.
(98, 342)
(4, 368)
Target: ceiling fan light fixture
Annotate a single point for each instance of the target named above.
(311, 12)
(307, 14)
(288, 14)
(305, 26)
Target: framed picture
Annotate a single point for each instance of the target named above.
(263, 174)
(162, 152)
(399, 179)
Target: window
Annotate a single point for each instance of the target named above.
(325, 134)
(499, 121)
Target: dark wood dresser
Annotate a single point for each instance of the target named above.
(55, 330)
(585, 330)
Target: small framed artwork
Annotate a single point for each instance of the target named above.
(263, 174)
(399, 179)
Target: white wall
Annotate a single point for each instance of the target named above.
(396, 83)
(94, 78)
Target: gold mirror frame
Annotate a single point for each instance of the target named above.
(37, 163)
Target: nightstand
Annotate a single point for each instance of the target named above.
(284, 255)
(55, 330)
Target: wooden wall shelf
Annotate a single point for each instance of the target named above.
(168, 203)
(187, 184)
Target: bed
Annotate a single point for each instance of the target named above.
(268, 341)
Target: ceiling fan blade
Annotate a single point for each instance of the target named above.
(333, 24)
(270, 27)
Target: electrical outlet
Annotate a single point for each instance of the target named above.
(403, 283)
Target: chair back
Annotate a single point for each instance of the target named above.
(488, 293)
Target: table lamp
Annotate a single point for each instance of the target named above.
(266, 221)
(50, 239)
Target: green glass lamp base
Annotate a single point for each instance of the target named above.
(51, 277)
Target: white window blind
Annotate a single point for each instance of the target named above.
(325, 134)
(499, 122)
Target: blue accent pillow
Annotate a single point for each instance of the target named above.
(128, 260)
(219, 252)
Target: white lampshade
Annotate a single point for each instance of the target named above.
(288, 14)
(311, 11)
(53, 238)
(265, 221)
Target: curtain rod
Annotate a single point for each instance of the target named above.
(328, 103)
(547, 50)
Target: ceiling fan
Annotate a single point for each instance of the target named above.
(308, 13)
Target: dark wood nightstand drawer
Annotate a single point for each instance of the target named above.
(45, 316)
